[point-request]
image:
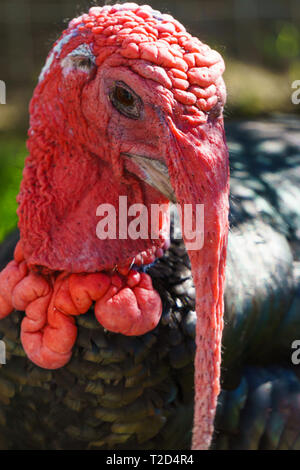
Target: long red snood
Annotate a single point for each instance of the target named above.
(84, 152)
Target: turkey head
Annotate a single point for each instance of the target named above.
(127, 115)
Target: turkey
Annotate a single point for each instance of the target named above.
(123, 375)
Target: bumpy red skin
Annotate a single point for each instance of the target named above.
(77, 142)
(124, 304)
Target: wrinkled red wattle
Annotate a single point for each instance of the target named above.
(123, 304)
(58, 228)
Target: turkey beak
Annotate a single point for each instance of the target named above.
(155, 173)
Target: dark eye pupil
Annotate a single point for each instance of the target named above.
(124, 96)
(85, 62)
(125, 100)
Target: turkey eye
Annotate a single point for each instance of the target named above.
(84, 62)
(124, 97)
(126, 101)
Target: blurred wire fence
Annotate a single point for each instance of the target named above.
(263, 33)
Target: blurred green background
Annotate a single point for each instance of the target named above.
(259, 39)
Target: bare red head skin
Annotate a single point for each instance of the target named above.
(128, 104)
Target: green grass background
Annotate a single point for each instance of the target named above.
(12, 154)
